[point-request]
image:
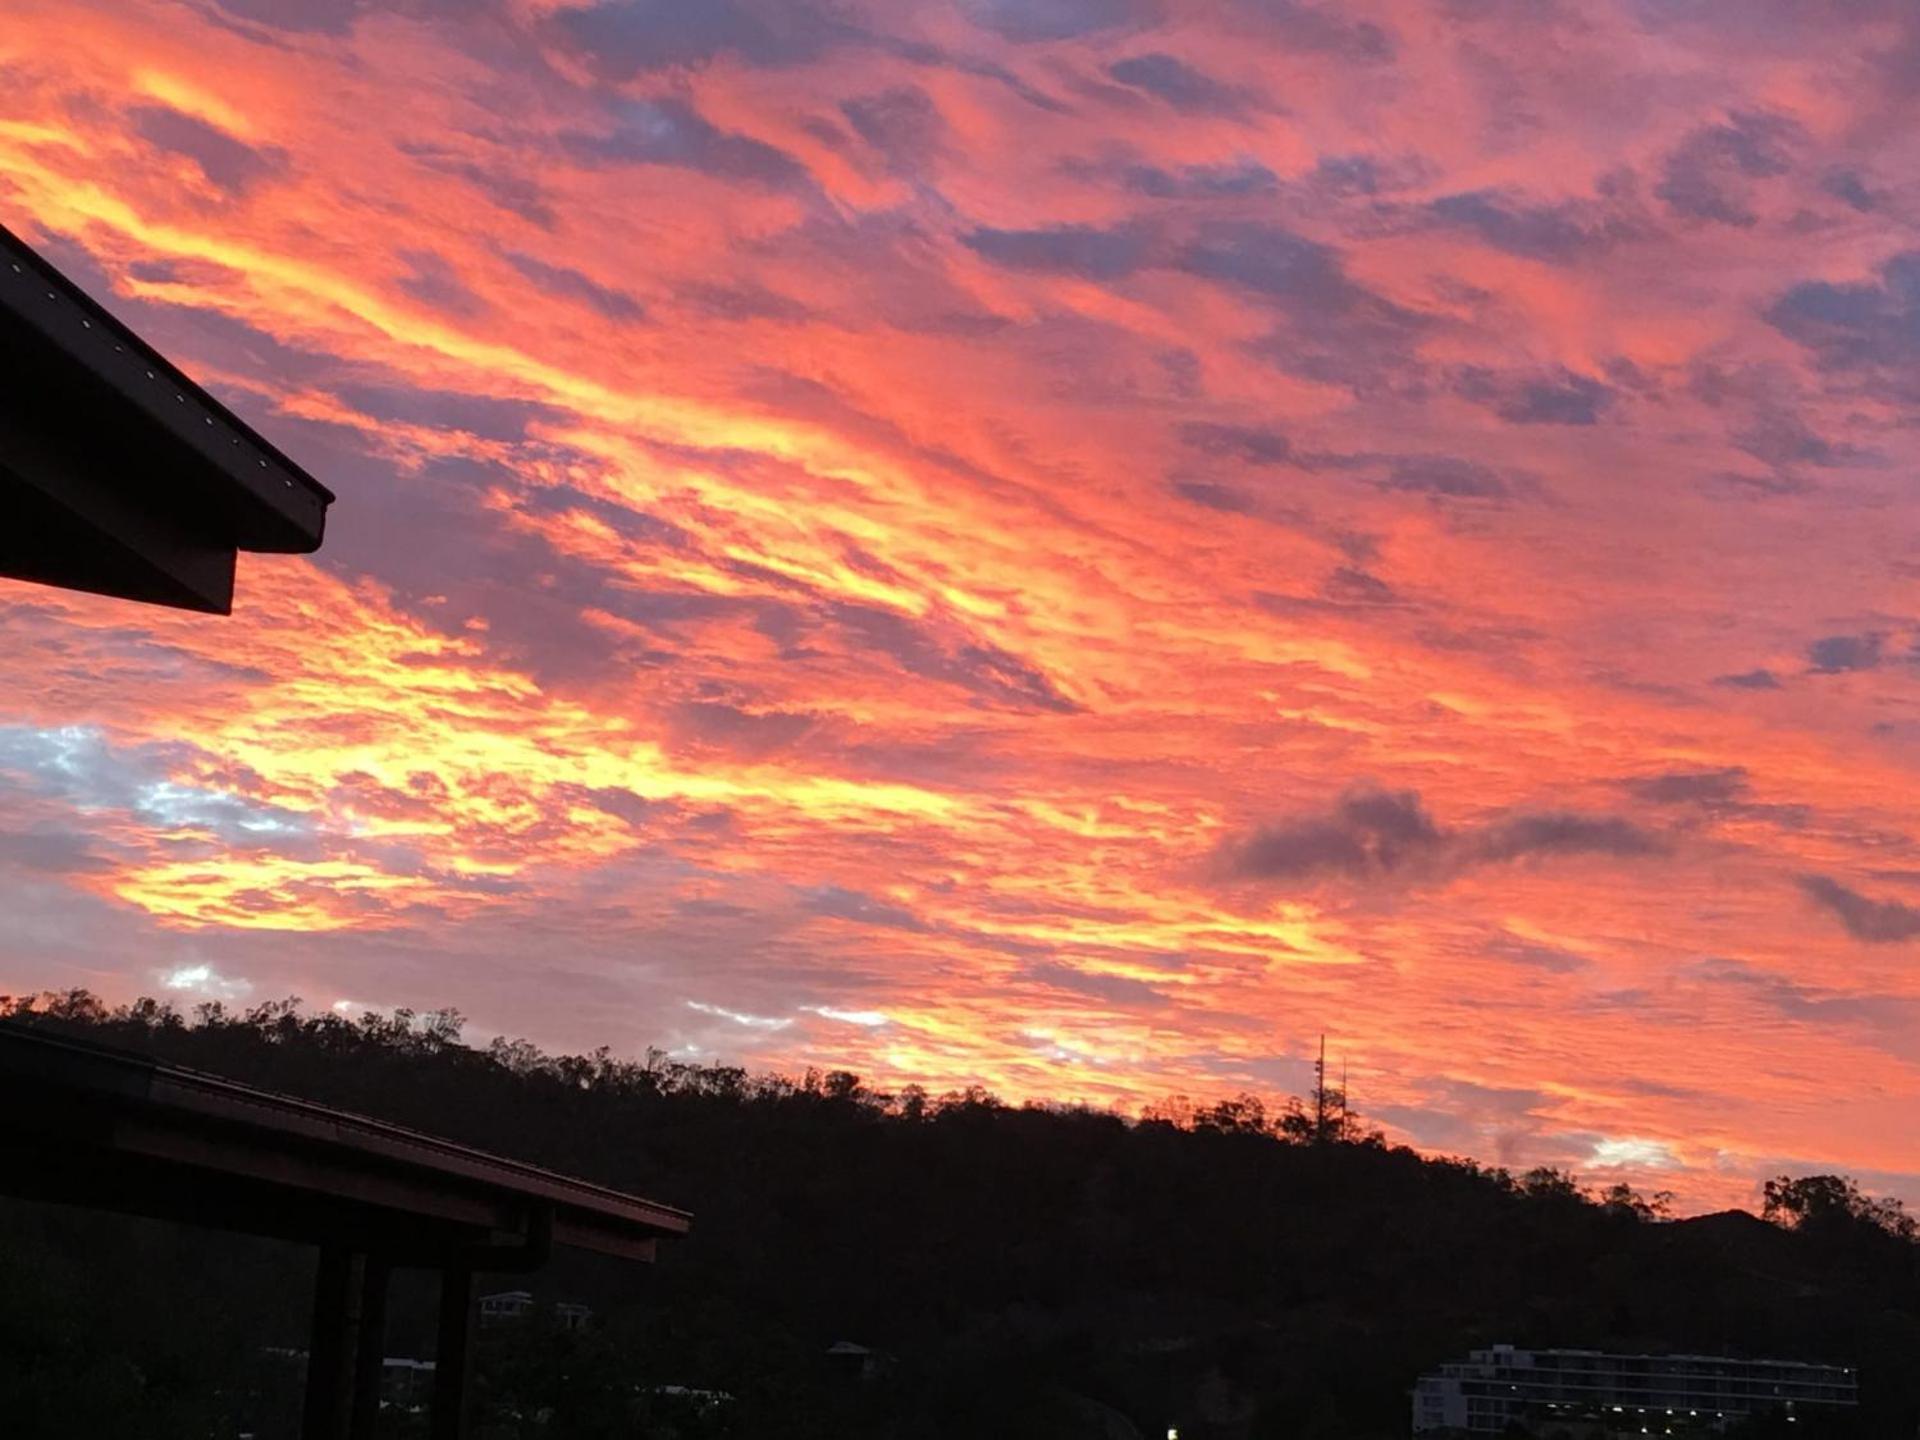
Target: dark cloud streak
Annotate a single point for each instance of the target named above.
(1371, 834)
(1877, 922)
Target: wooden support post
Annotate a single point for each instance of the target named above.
(452, 1361)
(370, 1345)
(331, 1345)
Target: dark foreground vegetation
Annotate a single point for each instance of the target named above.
(1023, 1272)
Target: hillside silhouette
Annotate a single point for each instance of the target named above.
(1227, 1268)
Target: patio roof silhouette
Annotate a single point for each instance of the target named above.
(118, 474)
(107, 1129)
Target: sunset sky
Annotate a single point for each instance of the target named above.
(1070, 545)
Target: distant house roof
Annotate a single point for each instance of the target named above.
(118, 474)
(102, 1127)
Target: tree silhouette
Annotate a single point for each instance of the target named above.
(1622, 1199)
(1829, 1203)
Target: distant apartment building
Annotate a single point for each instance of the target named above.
(1638, 1394)
(505, 1305)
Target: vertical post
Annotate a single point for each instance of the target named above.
(1346, 1115)
(331, 1345)
(370, 1344)
(451, 1360)
(1320, 1095)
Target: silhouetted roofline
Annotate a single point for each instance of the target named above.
(93, 1106)
(138, 481)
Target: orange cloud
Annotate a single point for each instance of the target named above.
(847, 524)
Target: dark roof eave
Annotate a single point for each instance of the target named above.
(276, 506)
(586, 1214)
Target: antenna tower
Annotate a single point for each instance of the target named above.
(1320, 1107)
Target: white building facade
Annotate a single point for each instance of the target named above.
(1657, 1394)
